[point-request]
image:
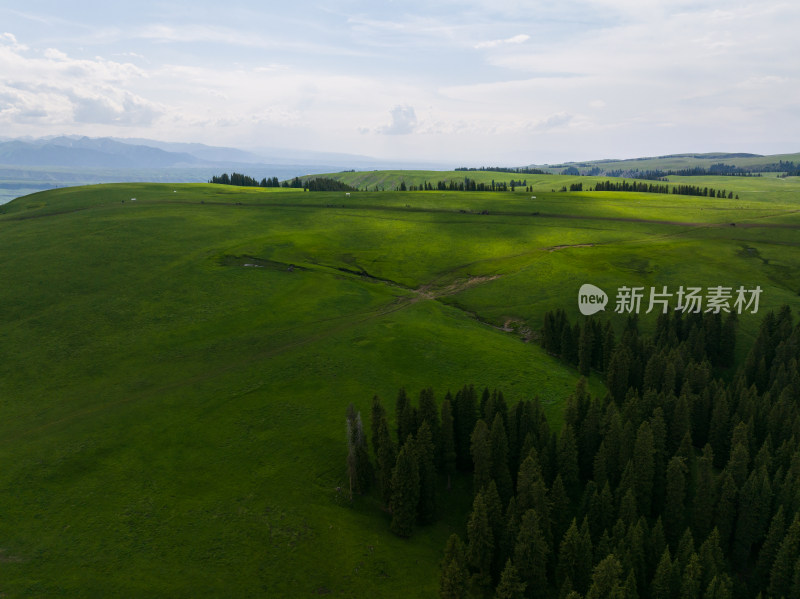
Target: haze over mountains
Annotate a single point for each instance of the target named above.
(28, 165)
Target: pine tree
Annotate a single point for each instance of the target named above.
(567, 461)
(464, 419)
(726, 509)
(426, 511)
(480, 548)
(499, 456)
(643, 468)
(684, 550)
(494, 512)
(755, 499)
(531, 552)
(454, 580)
(657, 545)
(386, 459)
(481, 449)
(692, 578)
(428, 412)
(782, 572)
(711, 558)
(530, 484)
(606, 579)
(405, 490)
(718, 434)
(511, 586)
(573, 560)
(674, 508)
(377, 413)
(404, 415)
(766, 557)
(681, 422)
(559, 507)
(720, 587)
(585, 347)
(662, 585)
(617, 374)
(705, 496)
(448, 452)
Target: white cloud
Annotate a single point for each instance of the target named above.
(10, 40)
(404, 121)
(517, 39)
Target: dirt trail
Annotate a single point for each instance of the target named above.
(429, 291)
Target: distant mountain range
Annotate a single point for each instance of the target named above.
(90, 153)
(28, 164)
(107, 152)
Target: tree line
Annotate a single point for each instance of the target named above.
(245, 181)
(466, 185)
(686, 190)
(315, 184)
(679, 482)
(717, 169)
(525, 170)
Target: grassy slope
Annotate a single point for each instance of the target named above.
(173, 426)
(688, 161)
(173, 420)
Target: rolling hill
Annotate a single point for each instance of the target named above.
(177, 360)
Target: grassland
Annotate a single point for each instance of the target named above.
(174, 370)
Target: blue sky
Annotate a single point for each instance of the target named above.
(500, 82)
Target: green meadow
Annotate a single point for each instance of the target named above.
(174, 369)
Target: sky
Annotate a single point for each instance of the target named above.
(500, 82)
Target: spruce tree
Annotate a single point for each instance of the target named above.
(662, 585)
(705, 495)
(766, 557)
(726, 509)
(674, 503)
(430, 413)
(531, 552)
(377, 413)
(606, 579)
(480, 548)
(720, 587)
(405, 490)
(426, 511)
(567, 461)
(404, 416)
(573, 560)
(454, 580)
(448, 453)
(386, 459)
(464, 419)
(499, 453)
(782, 572)
(617, 374)
(692, 578)
(585, 348)
(481, 450)
(511, 586)
(643, 468)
